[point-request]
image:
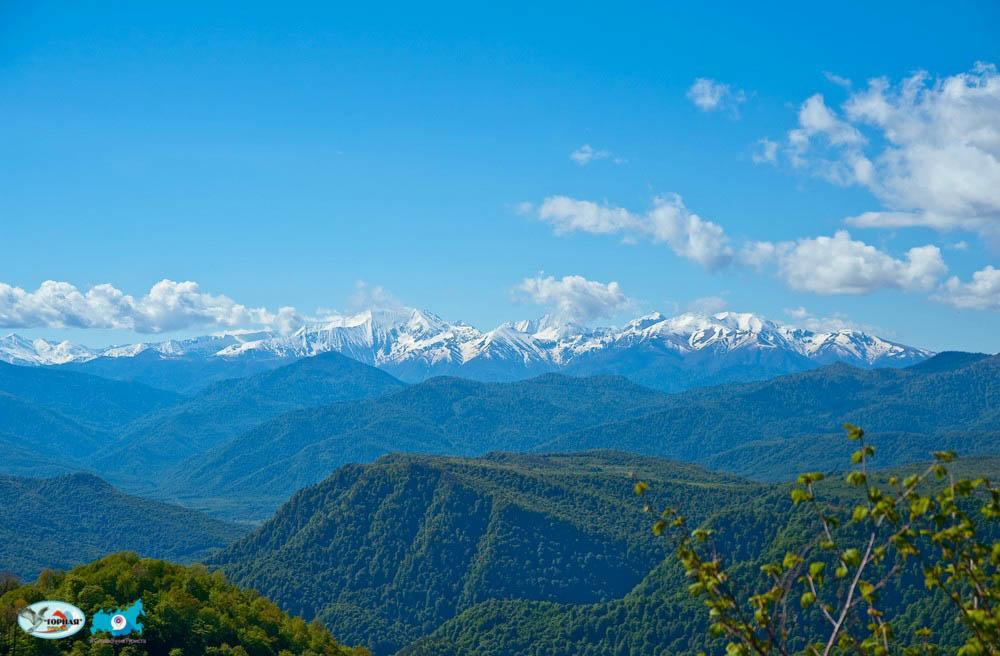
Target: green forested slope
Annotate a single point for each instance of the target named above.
(385, 553)
(94, 402)
(659, 617)
(39, 442)
(65, 521)
(188, 611)
(954, 403)
(442, 415)
(223, 410)
(700, 424)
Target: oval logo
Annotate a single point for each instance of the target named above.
(51, 619)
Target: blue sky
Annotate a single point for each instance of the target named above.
(279, 154)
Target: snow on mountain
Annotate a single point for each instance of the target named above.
(15, 349)
(415, 344)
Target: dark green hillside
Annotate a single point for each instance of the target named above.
(387, 552)
(442, 415)
(227, 408)
(51, 436)
(948, 361)
(659, 617)
(783, 459)
(701, 424)
(91, 401)
(953, 403)
(62, 522)
(188, 611)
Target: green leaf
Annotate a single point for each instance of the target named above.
(799, 495)
(851, 557)
(854, 433)
(944, 456)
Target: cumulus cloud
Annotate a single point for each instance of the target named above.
(710, 95)
(841, 265)
(574, 298)
(933, 158)
(668, 222)
(980, 293)
(586, 154)
(167, 306)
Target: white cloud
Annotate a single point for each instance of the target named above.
(803, 318)
(586, 154)
(756, 254)
(367, 296)
(574, 298)
(980, 293)
(841, 265)
(710, 95)
(933, 158)
(708, 305)
(669, 222)
(837, 79)
(570, 215)
(167, 306)
(817, 122)
(766, 152)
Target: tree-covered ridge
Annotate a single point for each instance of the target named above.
(223, 410)
(51, 420)
(659, 616)
(923, 403)
(91, 401)
(385, 553)
(948, 404)
(72, 519)
(189, 612)
(443, 415)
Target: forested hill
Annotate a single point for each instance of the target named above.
(384, 553)
(187, 611)
(659, 617)
(774, 428)
(65, 521)
(768, 430)
(527, 554)
(91, 401)
(442, 415)
(225, 409)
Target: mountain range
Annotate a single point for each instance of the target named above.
(737, 427)
(666, 353)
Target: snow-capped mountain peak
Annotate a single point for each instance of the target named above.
(416, 344)
(15, 349)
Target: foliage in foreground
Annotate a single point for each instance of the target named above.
(929, 520)
(189, 612)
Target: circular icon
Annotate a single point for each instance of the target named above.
(118, 622)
